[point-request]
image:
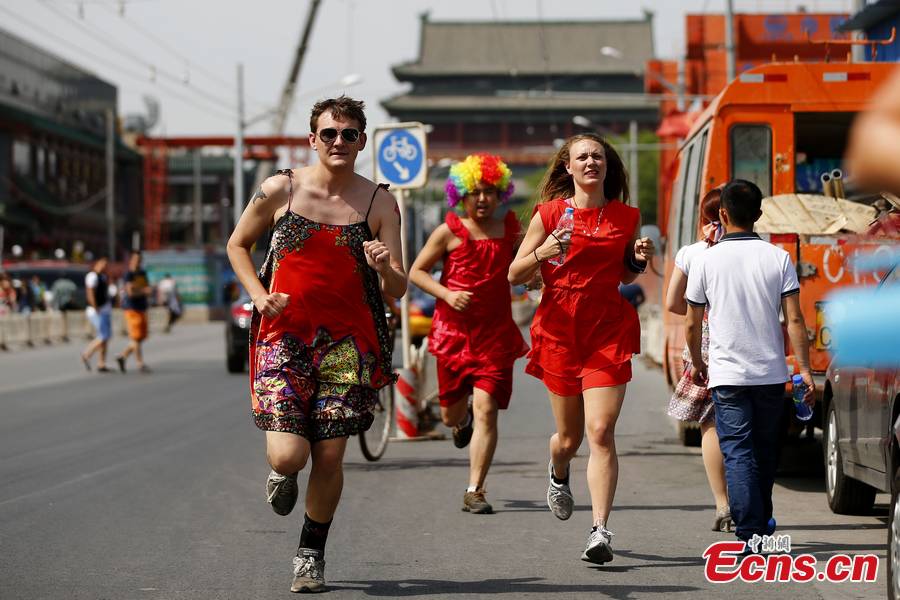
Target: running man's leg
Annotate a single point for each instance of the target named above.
(287, 453)
(326, 479)
(602, 406)
(484, 437)
(454, 414)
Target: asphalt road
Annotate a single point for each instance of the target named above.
(150, 487)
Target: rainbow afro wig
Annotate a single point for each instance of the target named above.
(486, 169)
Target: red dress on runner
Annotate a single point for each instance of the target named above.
(316, 368)
(477, 347)
(583, 325)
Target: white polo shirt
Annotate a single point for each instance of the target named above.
(742, 280)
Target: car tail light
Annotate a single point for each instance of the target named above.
(241, 314)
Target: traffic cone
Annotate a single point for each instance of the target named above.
(407, 404)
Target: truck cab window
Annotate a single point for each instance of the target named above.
(820, 140)
(751, 155)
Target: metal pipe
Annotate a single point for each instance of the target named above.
(837, 179)
(827, 185)
(633, 161)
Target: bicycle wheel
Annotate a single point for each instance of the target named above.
(374, 441)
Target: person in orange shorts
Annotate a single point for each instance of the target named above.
(473, 335)
(137, 292)
(584, 332)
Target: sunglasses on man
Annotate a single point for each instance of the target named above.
(329, 134)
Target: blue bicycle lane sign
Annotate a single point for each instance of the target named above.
(400, 155)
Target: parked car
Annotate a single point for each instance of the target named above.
(237, 333)
(862, 440)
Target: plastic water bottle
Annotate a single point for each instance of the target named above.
(567, 226)
(801, 408)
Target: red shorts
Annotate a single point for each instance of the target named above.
(454, 385)
(610, 376)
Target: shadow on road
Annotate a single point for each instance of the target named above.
(421, 463)
(512, 505)
(523, 585)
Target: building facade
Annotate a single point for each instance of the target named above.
(514, 88)
(52, 156)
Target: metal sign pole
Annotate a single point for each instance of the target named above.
(405, 336)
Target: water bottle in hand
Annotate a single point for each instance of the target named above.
(565, 227)
(801, 408)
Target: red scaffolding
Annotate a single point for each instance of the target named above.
(156, 171)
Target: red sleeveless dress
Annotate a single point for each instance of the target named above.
(477, 347)
(583, 326)
(315, 369)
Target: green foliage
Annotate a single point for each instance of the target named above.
(648, 172)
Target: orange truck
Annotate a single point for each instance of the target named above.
(779, 125)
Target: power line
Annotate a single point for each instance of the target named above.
(101, 36)
(190, 64)
(104, 61)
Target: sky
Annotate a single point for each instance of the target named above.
(184, 52)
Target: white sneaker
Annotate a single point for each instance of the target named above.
(309, 572)
(598, 550)
(559, 497)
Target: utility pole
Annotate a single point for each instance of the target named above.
(858, 52)
(729, 41)
(110, 185)
(238, 206)
(633, 161)
(287, 93)
(198, 201)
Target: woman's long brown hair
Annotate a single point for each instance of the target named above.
(557, 183)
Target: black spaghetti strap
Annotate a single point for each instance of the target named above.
(372, 201)
(290, 175)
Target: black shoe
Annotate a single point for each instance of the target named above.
(462, 434)
(121, 361)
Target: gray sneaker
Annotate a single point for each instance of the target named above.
(309, 572)
(598, 550)
(282, 492)
(559, 497)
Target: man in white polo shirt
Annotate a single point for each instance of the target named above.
(745, 282)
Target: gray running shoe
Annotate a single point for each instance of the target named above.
(598, 550)
(476, 503)
(309, 572)
(282, 492)
(559, 497)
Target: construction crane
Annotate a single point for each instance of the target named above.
(264, 168)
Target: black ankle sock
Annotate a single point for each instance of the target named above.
(559, 480)
(313, 535)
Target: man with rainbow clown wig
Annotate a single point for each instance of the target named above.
(473, 335)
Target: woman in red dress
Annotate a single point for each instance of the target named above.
(473, 334)
(584, 332)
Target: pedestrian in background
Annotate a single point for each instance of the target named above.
(584, 332)
(473, 335)
(99, 314)
(167, 295)
(137, 294)
(320, 348)
(692, 402)
(745, 282)
(8, 304)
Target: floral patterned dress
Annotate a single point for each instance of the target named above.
(315, 369)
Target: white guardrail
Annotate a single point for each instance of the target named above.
(50, 327)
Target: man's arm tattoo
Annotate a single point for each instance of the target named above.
(259, 193)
